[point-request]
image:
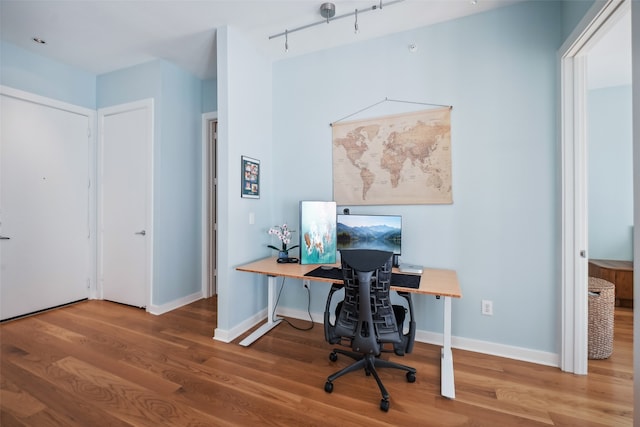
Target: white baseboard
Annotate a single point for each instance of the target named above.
(494, 349)
(461, 343)
(227, 336)
(165, 308)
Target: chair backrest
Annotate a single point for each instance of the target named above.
(367, 316)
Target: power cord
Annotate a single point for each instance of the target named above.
(273, 315)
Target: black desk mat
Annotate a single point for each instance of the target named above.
(397, 279)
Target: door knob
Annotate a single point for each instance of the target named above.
(142, 233)
(4, 238)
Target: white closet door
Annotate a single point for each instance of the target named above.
(125, 202)
(44, 207)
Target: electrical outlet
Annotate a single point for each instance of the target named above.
(487, 307)
(305, 284)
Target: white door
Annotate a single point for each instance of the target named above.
(124, 198)
(44, 206)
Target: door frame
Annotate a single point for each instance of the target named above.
(147, 104)
(204, 203)
(573, 136)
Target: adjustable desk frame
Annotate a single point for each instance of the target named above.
(441, 283)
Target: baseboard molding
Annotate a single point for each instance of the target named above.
(165, 308)
(494, 349)
(461, 343)
(229, 335)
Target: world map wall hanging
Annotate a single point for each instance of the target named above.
(401, 159)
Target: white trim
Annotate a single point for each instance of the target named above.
(38, 99)
(494, 349)
(206, 118)
(427, 337)
(148, 105)
(228, 335)
(91, 172)
(573, 120)
(180, 302)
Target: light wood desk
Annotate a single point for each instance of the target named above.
(441, 283)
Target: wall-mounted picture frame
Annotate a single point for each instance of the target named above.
(250, 178)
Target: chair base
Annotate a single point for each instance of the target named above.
(368, 362)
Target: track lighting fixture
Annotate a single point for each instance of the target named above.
(328, 10)
(328, 13)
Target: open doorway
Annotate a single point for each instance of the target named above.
(209, 204)
(610, 180)
(577, 55)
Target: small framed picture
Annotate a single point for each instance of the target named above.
(250, 178)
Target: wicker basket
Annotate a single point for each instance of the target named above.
(601, 310)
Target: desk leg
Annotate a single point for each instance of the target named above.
(448, 388)
(272, 321)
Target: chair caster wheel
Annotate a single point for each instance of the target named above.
(328, 387)
(411, 377)
(333, 356)
(384, 405)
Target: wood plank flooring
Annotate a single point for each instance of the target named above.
(97, 363)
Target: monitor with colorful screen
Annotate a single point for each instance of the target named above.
(317, 232)
(381, 232)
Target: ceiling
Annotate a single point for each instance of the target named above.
(100, 36)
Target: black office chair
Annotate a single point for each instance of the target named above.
(366, 320)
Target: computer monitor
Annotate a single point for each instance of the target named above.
(317, 232)
(381, 232)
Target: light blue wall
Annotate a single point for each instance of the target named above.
(130, 84)
(501, 234)
(209, 95)
(244, 115)
(178, 180)
(177, 168)
(573, 11)
(21, 69)
(610, 171)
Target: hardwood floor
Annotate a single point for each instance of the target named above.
(98, 363)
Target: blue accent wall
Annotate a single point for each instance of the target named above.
(610, 174)
(23, 70)
(245, 128)
(209, 95)
(499, 72)
(177, 168)
(573, 12)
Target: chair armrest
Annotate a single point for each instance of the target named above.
(329, 328)
(408, 339)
